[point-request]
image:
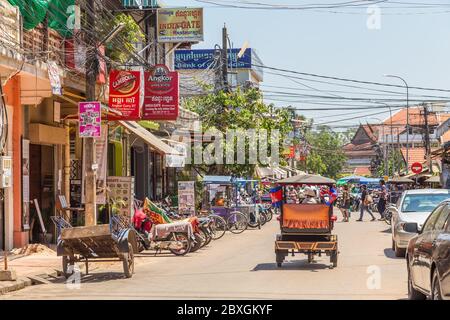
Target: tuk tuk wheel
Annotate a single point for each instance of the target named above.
(128, 262)
(334, 259)
(68, 264)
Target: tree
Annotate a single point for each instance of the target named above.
(326, 156)
(239, 110)
(396, 163)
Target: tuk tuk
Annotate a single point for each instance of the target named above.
(305, 228)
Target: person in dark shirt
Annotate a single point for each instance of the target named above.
(365, 203)
(381, 205)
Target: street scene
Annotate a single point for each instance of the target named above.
(224, 150)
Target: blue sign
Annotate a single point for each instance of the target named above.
(206, 58)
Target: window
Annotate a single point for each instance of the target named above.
(422, 202)
(430, 222)
(440, 222)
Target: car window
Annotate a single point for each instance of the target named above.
(422, 202)
(440, 222)
(429, 223)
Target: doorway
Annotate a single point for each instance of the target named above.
(42, 182)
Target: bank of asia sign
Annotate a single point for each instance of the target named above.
(180, 25)
(205, 58)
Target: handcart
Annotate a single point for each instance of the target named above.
(101, 243)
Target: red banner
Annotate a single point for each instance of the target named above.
(161, 94)
(124, 92)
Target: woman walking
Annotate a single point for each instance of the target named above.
(366, 199)
(345, 204)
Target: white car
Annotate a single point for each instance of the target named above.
(413, 206)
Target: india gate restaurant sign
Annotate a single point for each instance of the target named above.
(180, 24)
(161, 94)
(124, 93)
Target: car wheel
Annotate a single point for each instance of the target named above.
(413, 294)
(399, 252)
(435, 287)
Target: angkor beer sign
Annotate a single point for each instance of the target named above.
(161, 94)
(124, 92)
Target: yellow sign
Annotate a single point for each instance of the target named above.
(180, 25)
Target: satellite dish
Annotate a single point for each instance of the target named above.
(242, 51)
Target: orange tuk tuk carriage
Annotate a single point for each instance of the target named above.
(306, 228)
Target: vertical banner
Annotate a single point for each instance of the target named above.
(101, 153)
(186, 198)
(25, 184)
(124, 94)
(161, 94)
(53, 75)
(90, 118)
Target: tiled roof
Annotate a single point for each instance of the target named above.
(416, 117)
(365, 149)
(415, 155)
(362, 171)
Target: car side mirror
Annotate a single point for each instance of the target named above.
(411, 227)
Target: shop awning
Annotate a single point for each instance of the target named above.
(149, 138)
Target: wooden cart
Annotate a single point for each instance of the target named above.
(102, 243)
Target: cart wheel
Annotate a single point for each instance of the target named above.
(310, 257)
(68, 264)
(128, 262)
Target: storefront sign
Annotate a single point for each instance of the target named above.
(200, 59)
(124, 93)
(186, 198)
(161, 94)
(25, 184)
(90, 119)
(121, 191)
(180, 25)
(139, 3)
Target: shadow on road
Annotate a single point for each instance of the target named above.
(292, 265)
(388, 230)
(389, 253)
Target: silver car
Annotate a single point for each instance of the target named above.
(413, 206)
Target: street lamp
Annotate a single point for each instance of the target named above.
(407, 117)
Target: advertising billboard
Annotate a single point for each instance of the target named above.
(124, 94)
(180, 24)
(161, 94)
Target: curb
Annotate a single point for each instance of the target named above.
(26, 281)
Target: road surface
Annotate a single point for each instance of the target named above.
(243, 267)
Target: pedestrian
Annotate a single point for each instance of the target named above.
(310, 196)
(381, 205)
(345, 204)
(366, 200)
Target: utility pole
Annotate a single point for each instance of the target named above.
(427, 138)
(90, 187)
(225, 58)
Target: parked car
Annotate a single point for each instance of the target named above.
(413, 206)
(428, 256)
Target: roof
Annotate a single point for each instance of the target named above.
(415, 155)
(372, 130)
(362, 171)
(149, 138)
(427, 191)
(365, 149)
(416, 117)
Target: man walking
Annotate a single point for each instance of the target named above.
(365, 201)
(381, 205)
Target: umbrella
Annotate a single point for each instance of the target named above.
(349, 179)
(306, 179)
(400, 180)
(370, 180)
(434, 179)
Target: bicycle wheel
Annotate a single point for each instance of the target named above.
(269, 214)
(254, 221)
(237, 222)
(218, 226)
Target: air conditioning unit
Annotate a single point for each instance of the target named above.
(5, 172)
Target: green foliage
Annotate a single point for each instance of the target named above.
(396, 163)
(149, 124)
(326, 156)
(127, 37)
(241, 110)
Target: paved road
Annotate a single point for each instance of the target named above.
(243, 266)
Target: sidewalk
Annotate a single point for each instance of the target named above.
(27, 267)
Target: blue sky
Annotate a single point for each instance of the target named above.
(414, 46)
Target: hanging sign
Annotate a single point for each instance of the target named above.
(90, 119)
(53, 75)
(180, 24)
(124, 93)
(161, 94)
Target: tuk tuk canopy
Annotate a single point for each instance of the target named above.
(307, 179)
